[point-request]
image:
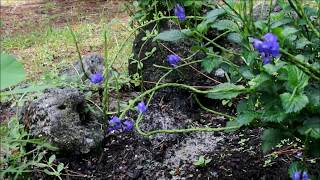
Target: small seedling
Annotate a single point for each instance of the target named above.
(202, 162)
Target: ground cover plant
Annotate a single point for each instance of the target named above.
(261, 60)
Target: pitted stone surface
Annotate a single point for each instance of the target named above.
(62, 116)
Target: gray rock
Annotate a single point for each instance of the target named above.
(92, 63)
(62, 116)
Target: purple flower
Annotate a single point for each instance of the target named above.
(267, 48)
(114, 123)
(96, 78)
(173, 59)
(142, 107)
(128, 126)
(296, 175)
(299, 155)
(179, 12)
(305, 175)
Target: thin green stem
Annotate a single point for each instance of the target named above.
(105, 99)
(78, 51)
(212, 111)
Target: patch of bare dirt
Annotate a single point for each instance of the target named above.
(35, 14)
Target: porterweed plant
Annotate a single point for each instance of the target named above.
(271, 60)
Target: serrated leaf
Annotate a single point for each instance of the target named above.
(272, 137)
(246, 118)
(293, 103)
(296, 78)
(213, 14)
(225, 91)
(209, 63)
(225, 25)
(234, 37)
(171, 35)
(258, 80)
(51, 159)
(11, 71)
(273, 115)
(311, 127)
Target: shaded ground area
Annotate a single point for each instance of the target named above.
(235, 155)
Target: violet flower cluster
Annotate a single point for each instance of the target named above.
(268, 48)
(116, 124)
(126, 126)
(179, 12)
(297, 175)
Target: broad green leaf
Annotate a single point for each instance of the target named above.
(213, 14)
(226, 91)
(234, 37)
(296, 78)
(258, 80)
(246, 72)
(11, 71)
(287, 31)
(280, 23)
(202, 27)
(311, 127)
(225, 25)
(293, 102)
(272, 137)
(272, 69)
(274, 115)
(302, 42)
(209, 63)
(171, 35)
(246, 118)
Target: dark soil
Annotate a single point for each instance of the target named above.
(235, 155)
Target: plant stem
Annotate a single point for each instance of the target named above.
(78, 51)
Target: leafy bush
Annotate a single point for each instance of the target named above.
(271, 61)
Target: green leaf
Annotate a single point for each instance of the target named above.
(287, 31)
(225, 91)
(209, 63)
(246, 118)
(171, 35)
(311, 127)
(302, 42)
(280, 23)
(296, 78)
(11, 71)
(213, 14)
(60, 167)
(232, 124)
(272, 137)
(258, 80)
(293, 102)
(225, 24)
(274, 115)
(51, 159)
(235, 37)
(246, 72)
(202, 27)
